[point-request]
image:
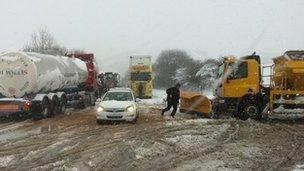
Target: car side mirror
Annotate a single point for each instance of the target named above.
(137, 100)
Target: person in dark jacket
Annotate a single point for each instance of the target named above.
(173, 95)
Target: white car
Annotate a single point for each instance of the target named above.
(117, 105)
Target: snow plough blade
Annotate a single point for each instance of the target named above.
(193, 102)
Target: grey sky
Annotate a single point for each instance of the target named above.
(116, 29)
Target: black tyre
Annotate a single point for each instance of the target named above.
(250, 110)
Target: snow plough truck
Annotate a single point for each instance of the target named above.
(43, 85)
(246, 89)
(141, 79)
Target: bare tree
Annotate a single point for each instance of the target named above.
(168, 62)
(43, 42)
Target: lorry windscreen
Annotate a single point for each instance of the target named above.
(141, 76)
(239, 70)
(221, 70)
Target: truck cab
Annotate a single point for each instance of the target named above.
(239, 91)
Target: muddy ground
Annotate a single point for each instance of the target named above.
(77, 142)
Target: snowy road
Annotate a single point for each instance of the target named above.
(76, 142)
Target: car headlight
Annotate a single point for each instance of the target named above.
(100, 109)
(130, 109)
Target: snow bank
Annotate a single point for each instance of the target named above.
(158, 98)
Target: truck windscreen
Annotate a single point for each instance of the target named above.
(141, 76)
(221, 70)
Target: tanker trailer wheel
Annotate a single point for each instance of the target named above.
(55, 106)
(45, 108)
(250, 110)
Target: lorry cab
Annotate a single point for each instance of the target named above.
(141, 84)
(239, 88)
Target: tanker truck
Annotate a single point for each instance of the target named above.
(36, 84)
(246, 89)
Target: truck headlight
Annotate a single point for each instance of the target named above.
(100, 109)
(130, 109)
(222, 101)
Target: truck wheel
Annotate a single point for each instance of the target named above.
(46, 109)
(250, 110)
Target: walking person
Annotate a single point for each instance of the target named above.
(173, 95)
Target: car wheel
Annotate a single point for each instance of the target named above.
(134, 121)
(100, 122)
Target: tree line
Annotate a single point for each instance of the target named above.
(177, 66)
(42, 41)
(172, 66)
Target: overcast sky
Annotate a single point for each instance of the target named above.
(116, 29)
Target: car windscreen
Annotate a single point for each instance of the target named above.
(118, 96)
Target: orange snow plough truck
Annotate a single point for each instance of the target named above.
(288, 80)
(245, 91)
(192, 102)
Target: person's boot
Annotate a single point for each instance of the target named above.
(172, 116)
(162, 113)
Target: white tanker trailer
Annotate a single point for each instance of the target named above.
(34, 83)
